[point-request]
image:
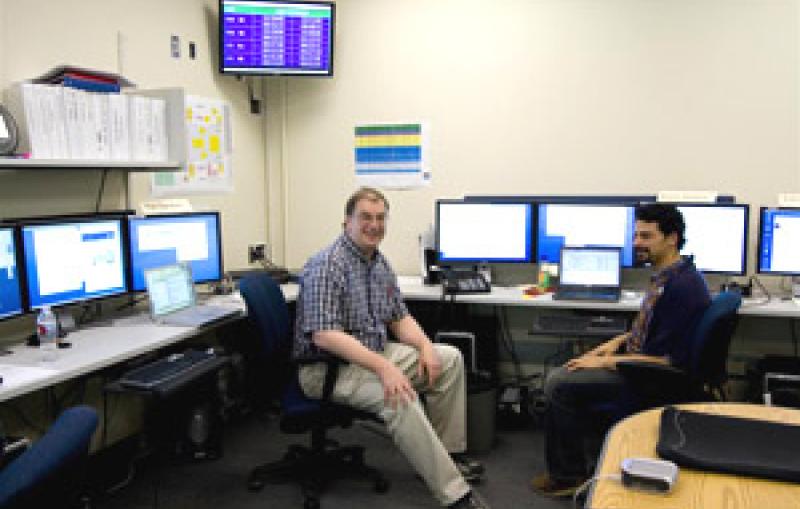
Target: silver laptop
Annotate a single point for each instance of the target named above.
(589, 273)
(173, 300)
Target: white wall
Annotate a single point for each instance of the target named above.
(132, 37)
(549, 96)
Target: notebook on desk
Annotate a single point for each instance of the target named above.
(173, 300)
(589, 273)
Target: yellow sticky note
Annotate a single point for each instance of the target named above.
(204, 155)
(192, 170)
(188, 113)
(202, 130)
(213, 144)
(198, 143)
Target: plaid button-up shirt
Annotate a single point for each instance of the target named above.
(340, 289)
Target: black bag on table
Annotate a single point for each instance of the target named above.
(733, 445)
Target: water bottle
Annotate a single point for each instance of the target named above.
(47, 330)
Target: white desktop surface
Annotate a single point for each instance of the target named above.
(413, 289)
(98, 346)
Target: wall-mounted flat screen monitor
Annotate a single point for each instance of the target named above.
(471, 232)
(584, 225)
(779, 241)
(263, 37)
(73, 259)
(716, 237)
(10, 289)
(164, 240)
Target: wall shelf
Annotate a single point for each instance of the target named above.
(86, 164)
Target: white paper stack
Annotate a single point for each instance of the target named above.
(57, 122)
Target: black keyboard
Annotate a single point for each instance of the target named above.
(590, 295)
(580, 325)
(168, 368)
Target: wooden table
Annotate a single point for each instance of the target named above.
(637, 435)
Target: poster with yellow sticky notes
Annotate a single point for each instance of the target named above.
(209, 151)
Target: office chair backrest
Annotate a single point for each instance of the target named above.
(712, 337)
(269, 313)
(30, 479)
(267, 308)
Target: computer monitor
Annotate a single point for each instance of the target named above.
(468, 232)
(163, 240)
(10, 289)
(716, 236)
(73, 259)
(273, 37)
(584, 225)
(779, 241)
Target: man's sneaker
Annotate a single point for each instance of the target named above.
(544, 485)
(472, 470)
(472, 500)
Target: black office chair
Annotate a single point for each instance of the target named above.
(704, 379)
(50, 472)
(312, 467)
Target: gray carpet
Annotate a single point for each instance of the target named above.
(516, 456)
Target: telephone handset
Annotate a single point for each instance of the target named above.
(464, 281)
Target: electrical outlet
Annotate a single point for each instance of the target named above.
(257, 252)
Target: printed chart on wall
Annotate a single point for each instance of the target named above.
(392, 155)
(209, 152)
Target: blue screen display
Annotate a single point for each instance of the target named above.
(10, 293)
(73, 260)
(164, 240)
(584, 225)
(276, 37)
(779, 241)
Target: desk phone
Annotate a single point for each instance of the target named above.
(464, 281)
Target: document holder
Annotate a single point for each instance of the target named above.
(732, 445)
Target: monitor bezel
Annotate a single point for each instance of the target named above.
(120, 217)
(129, 243)
(759, 268)
(483, 261)
(22, 287)
(279, 71)
(632, 206)
(745, 236)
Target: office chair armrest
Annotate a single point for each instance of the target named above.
(654, 383)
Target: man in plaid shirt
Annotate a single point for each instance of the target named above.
(675, 300)
(349, 301)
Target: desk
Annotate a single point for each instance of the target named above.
(413, 289)
(637, 435)
(98, 346)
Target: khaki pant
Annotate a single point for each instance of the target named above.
(424, 439)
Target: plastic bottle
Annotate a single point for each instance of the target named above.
(47, 330)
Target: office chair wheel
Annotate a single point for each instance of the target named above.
(311, 503)
(381, 485)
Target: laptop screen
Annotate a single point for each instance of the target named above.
(169, 288)
(587, 266)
